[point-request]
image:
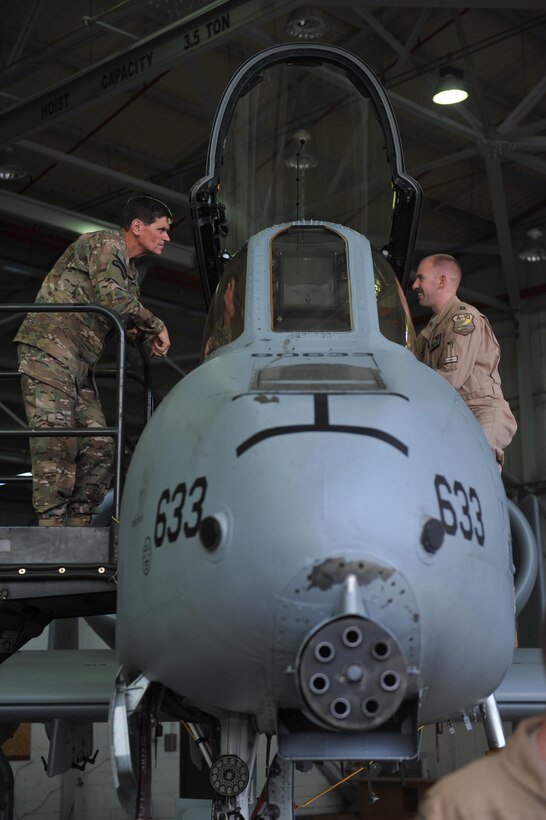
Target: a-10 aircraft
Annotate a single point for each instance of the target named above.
(314, 538)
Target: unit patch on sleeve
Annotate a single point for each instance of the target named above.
(463, 323)
(117, 263)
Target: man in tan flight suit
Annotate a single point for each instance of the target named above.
(460, 344)
(507, 785)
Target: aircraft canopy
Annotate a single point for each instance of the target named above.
(303, 133)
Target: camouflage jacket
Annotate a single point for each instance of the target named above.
(95, 269)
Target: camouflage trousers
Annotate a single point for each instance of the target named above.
(70, 475)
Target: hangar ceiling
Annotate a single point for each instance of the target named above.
(99, 100)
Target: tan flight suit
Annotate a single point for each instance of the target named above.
(459, 343)
(507, 785)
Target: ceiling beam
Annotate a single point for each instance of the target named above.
(410, 43)
(502, 222)
(48, 52)
(101, 170)
(484, 298)
(24, 33)
(521, 110)
(443, 4)
(63, 131)
(73, 64)
(35, 211)
(429, 116)
(478, 248)
(142, 61)
(442, 162)
(472, 220)
(535, 164)
(383, 32)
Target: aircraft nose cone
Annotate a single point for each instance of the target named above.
(352, 674)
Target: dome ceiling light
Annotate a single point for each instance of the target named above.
(534, 247)
(451, 88)
(11, 169)
(307, 23)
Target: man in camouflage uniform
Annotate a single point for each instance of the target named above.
(58, 351)
(459, 343)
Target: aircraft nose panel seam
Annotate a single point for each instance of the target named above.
(314, 428)
(321, 425)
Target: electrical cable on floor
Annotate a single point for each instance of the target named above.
(199, 740)
(329, 789)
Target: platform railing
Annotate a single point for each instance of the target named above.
(117, 430)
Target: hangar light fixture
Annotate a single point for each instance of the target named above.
(307, 23)
(11, 169)
(301, 160)
(451, 88)
(534, 247)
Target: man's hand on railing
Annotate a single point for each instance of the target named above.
(160, 344)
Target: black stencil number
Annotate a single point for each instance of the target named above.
(179, 493)
(460, 509)
(198, 489)
(161, 518)
(170, 521)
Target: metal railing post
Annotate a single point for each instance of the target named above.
(116, 432)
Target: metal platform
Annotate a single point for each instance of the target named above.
(52, 572)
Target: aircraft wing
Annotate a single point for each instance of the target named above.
(45, 684)
(77, 685)
(523, 691)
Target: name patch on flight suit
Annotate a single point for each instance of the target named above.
(451, 357)
(435, 342)
(463, 323)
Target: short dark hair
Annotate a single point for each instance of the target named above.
(439, 259)
(145, 208)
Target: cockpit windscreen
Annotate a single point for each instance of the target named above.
(394, 315)
(304, 142)
(309, 281)
(225, 320)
